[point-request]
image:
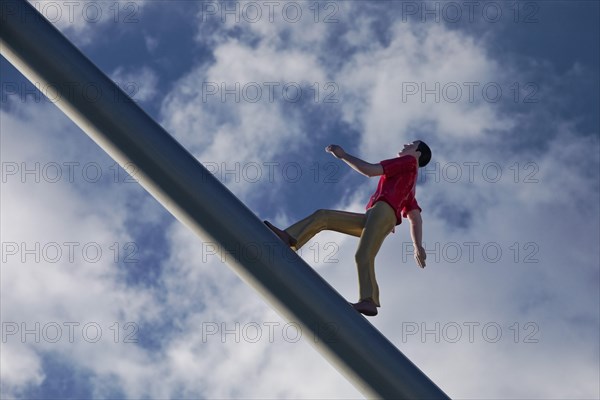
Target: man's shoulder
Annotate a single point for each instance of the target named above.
(403, 163)
(407, 158)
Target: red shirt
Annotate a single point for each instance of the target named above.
(397, 186)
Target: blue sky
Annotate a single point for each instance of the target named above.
(505, 94)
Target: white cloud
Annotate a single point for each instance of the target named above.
(58, 267)
(139, 85)
(151, 43)
(279, 25)
(81, 20)
(425, 77)
(24, 366)
(219, 127)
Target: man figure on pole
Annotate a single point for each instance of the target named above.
(393, 199)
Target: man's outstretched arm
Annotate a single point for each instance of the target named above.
(356, 163)
(416, 232)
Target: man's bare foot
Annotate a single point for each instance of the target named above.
(283, 235)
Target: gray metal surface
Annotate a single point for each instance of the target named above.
(191, 193)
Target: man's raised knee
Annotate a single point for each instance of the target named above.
(320, 214)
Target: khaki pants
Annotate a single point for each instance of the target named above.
(372, 228)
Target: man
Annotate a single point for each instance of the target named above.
(393, 199)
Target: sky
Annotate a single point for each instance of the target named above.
(104, 294)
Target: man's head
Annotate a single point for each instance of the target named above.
(419, 150)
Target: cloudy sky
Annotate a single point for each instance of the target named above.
(105, 294)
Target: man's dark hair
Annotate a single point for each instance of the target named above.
(425, 154)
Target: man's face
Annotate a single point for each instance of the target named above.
(410, 148)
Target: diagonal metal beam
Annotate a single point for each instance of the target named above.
(195, 197)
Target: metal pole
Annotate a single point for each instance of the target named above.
(191, 193)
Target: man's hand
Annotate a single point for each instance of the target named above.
(360, 166)
(420, 256)
(336, 150)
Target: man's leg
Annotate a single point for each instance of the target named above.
(339, 221)
(381, 219)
